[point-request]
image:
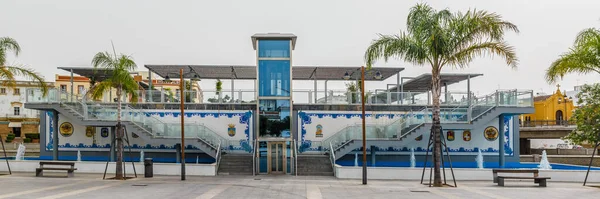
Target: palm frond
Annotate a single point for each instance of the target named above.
(29, 74)
(103, 60)
(98, 90)
(502, 49)
(587, 36)
(8, 77)
(388, 46)
(580, 61)
(8, 44)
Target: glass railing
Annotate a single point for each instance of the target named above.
(334, 97)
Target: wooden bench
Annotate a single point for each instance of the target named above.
(70, 171)
(538, 180)
(500, 179)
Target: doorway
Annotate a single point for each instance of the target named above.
(276, 156)
(559, 117)
(17, 131)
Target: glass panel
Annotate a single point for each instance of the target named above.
(274, 77)
(274, 48)
(274, 118)
(279, 157)
(273, 157)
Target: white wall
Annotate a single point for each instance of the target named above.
(394, 173)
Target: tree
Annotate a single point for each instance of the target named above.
(441, 38)
(587, 116)
(9, 73)
(119, 68)
(352, 91)
(219, 87)
(582, 58)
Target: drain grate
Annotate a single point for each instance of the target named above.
(419, 191)
(257, 179)
(139, 185)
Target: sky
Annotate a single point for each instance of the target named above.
(330, 33)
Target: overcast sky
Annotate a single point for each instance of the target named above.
(334, 33)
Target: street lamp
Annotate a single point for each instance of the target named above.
(182, 115)
(378, 76)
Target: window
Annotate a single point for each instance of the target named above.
(17, 91)
(274, 48)
(17, 110)
(80, 89)
(63, 88)
(2, 90)
(274, 77)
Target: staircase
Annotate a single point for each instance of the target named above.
(235, 164)
(135, 121)
(314, 165)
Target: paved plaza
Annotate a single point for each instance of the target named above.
(25, 185)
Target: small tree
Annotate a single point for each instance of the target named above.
(587, 116)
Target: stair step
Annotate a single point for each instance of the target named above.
(315, 173)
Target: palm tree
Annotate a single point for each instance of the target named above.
(441, 38)
(582, 58)
(8, 73)
(119, 68)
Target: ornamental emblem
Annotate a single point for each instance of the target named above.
(231, 130)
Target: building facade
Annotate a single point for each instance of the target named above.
(14, 117)
(554, 109)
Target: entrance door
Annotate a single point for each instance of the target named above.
(559, 117)
(17, 131)
(276, 157)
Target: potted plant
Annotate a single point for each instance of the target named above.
(10, 137)
(27, 140)
(35, 137)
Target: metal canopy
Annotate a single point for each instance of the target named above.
(92, 73)
(422, 83)
(249, 72)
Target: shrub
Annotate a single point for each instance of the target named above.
(27, 140)
(32, 136)
(11, 136)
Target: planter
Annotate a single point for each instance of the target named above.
(35, 140)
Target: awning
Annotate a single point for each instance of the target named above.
(14, 125)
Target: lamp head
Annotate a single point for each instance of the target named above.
(378, 75)
(167, 78)
(346, 76)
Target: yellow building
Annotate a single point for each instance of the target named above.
(550, 109)
(82, 84)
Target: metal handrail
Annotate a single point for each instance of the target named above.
(218, 158)
(332, 157)
(295, 143)
(255, 147)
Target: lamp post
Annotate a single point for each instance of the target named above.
(377, 76)
(364, 132)
(182, 115)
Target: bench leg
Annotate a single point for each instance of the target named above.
(495, 177)
(70, 173)
(501, 182)
(536, 181)
(542, 182)
(39, 172)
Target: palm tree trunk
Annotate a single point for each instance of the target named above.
(119, 164)
(437, 144)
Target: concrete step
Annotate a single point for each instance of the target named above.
(315, 173)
